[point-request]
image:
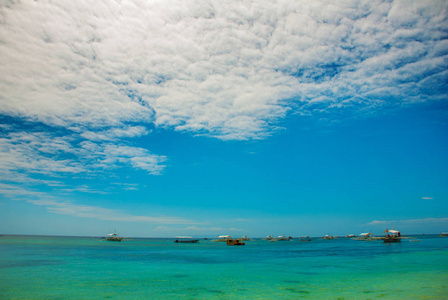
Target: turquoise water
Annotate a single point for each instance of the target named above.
(88, 268)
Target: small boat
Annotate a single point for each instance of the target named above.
(235, 242)
(444, 234)
(350, 236)
(393, 236)
(327, 237)
(222, 238)
(186, 240)
(365, 236)
(113, 237)
(305, 238)
(269, 237)
(245, 238)
(283, 238)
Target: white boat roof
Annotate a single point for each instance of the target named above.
(365, 233)
(183, 237)
(224, 236)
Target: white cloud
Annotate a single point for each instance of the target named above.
(100, 213)
(218, 68)
(195, 228)
(412, 221)
(427, 198)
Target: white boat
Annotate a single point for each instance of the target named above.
(365, 236)
(113, 237)
(392, 236)
(328, 237)
(283, 238)
(269, 237)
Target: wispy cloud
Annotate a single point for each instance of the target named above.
(100, 213)
(412, 221)
(427, 198)
(195, 228)
(24, 156)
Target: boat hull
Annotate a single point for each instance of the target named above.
(231, 242)
(187, 242)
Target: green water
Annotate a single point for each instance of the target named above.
(89, 268)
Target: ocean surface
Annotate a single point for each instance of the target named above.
(42, 267)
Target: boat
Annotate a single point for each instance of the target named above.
(305, 238)
(365, 236)
(350, 236)
(186, 239)
(283, 238)
(222, 238)
(245, 238)
(269, 237)
(235, 242)
(113, 237)
(393, 236)
(327, 237)
(444, 234)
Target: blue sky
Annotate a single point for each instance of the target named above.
(206, 118)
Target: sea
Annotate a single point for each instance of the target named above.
(49, 267)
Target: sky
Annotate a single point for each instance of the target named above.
(206, 118)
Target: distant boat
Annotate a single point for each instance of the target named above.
(305, 238)
(269, 237)
(245, 238)
(222, 238)
(283, 238)
(113, 237)
(444, 234)
(186, 239)
(327, 237)
(234, 242)
(393, 236)
(366, 236)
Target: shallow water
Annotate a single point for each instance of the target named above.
(34, 267)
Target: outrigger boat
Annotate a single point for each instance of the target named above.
(186, 239)
(283, 238)
(366, 236)
(393, 236)
(222, 238)
(113, 237)
(327, 237)
(444, 234)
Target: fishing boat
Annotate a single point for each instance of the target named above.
(222, 238)
(350, 236)
(186, 240)
(235, 242)
(305, 238)
(444, 234)
(269, 237)
(392, 236)
(245, 238)
(113, 237)
(327, 237)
